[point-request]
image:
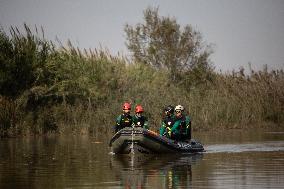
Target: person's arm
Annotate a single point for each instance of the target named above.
(118, 120)
(146, 126)
(162, 129)
(117, 124)
(187, 121)
(175, 126)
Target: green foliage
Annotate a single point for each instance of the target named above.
(7, 116)
(22, 60)
(160, 42)
(44, 89)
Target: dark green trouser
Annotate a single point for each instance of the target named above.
(176, 136)
(185, 136)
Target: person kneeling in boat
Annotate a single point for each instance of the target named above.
(125, 119)
(181, 130)
(167, 122)
(140, 120)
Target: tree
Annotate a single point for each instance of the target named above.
(161, 42)
(22, 61)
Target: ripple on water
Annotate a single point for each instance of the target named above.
(253, 147)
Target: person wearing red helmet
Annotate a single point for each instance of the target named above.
(140, 120)
(125, 119)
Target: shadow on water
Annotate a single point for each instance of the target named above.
(162, 171)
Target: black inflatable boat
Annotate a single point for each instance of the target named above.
(133, 140)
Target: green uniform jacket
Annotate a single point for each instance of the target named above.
(167, 122)
(124, 120)
(140, 121)
(178, 124)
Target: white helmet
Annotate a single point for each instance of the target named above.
(179, 107)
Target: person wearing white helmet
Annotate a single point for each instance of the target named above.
(181, 129)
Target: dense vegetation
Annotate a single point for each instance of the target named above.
(47, 89)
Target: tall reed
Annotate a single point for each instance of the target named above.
(71, 90)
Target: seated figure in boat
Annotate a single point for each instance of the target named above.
(167, 122)
(139, 120)
(125, 119)
(181, 130)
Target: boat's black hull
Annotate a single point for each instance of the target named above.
(141, 140)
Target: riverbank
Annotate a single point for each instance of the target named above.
(56, 90)
(85, 130)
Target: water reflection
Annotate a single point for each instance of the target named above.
(245, 160)
(241, 170)
(167, 171)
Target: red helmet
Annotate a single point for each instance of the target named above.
(126, 106)
(139, 109)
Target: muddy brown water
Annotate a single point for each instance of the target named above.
(233, 159)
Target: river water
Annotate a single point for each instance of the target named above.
(233, 159)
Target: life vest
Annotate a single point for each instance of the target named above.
(139, 121)
(182, 125)
(125, 121)
(169, 121)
